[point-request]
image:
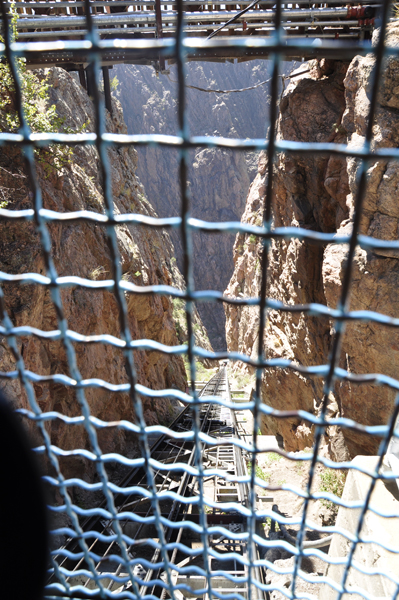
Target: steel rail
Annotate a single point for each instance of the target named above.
(142, 483)
(124, 506)
(214, 382)
(91, 522)
(176, 505)
(244, 487)
(218, 430)
(180, 491)
(209, 420)
(159, 444)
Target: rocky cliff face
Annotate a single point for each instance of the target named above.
(219, 179)
(81, 249)
(328, 104)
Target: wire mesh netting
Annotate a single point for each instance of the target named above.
(164, 568)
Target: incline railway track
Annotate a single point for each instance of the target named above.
(197, 573)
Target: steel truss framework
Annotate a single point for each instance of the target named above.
(217, 422)
(143, 19)
(64, 19)
(201, 441)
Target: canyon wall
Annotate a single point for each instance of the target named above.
(219, 179)
(329, 104)
(81, 249)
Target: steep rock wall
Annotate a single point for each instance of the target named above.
(328, 104)
(219, 179)
(82, 250)
(369, 347)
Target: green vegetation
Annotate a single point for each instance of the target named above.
(97, 273)
(113, 84)
(142, 198)
(333, 482)
(179, 317)
(39, 115)
(201, 372)
(258, 472)
(338, 128)
(240, 379)
(272, 457)
(258, 219)
(178, 304)
(268, 523)
(252, 238)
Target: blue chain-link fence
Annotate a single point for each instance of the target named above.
(365, 153)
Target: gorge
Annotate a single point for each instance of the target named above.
(329, 103)
(194, 446)
(219, 179)
(317, 192)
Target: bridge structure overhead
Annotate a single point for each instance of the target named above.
(63, 20)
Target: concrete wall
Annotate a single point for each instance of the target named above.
(370, 556)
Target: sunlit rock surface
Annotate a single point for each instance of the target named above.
(329, 104)
(81, 249)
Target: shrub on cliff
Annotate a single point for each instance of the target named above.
(40, 115)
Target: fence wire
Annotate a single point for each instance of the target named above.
(331, 373)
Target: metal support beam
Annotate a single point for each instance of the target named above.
(219, 423)
(89, 79)
(158, 16)
(82, 78)
(107, 90)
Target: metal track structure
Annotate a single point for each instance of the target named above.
(189, 573)
(142, 19)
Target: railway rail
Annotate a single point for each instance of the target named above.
(192, 571)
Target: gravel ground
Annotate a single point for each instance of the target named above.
(277, 472)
